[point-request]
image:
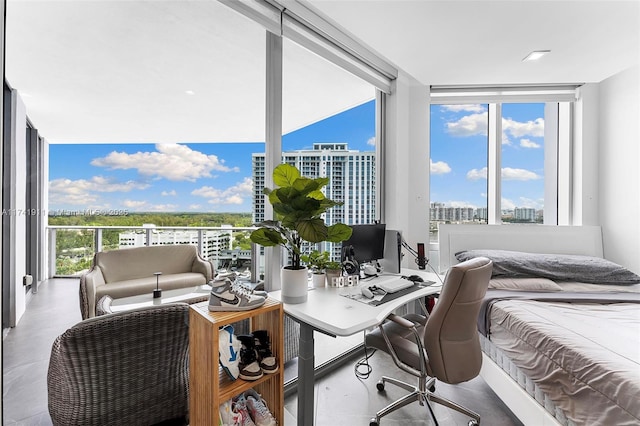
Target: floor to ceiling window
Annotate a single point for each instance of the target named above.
(503, 161)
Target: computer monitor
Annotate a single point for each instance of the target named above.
(367, 242)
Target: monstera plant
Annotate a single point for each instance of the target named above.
(298, 204)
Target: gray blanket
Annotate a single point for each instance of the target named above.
(493, 296)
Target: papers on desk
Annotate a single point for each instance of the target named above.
(380, 297)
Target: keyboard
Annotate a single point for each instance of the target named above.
(391, 284)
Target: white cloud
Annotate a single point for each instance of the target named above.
(87, 191)
(465, 107)
(133, 204)
(439, 167)
(469, 125)
(145, 206)
(476, 174)
(171, 193)
(530, 203)
(528, 143)
(170, 161)
(372, 141)
(507, 204)
(519, 129)
(233, 195)
(508, 173)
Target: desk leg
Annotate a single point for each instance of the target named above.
(306, 360)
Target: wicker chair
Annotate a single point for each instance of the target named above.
(126, 368)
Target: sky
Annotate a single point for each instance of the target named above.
(202, 177)
(459, 155)
(216, 177)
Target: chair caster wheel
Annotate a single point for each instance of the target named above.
(432, 388)
(380, 386)
(373, 422)
(472, 422)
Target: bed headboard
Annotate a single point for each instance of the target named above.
(582, 240)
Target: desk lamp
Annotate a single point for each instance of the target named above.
(158, 291)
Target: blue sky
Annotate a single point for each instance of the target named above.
(216, 177)
(459, 155)
(201, 177)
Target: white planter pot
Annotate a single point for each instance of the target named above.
(318, 279)
(295, 283)
(331, 274)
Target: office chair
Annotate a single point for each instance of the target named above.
(125, 368)
(442, 346)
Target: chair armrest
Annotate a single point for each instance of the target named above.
(409, 325)
(89, 282)
(401, 321)
(204, 267)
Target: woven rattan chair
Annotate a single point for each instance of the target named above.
(126, 368)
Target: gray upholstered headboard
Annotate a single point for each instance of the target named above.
(582, 240)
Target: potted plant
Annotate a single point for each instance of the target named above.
(298, 204)
(332, 270)
(317, 261)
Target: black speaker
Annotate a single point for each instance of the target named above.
(349, 263)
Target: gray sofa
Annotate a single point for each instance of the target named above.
(130, 272)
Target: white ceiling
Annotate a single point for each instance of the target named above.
(119, 71)
(456, 42)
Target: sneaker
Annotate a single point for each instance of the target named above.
(229, 348)
(226, 297)
(249, 366)
(267, 361)
(240, 409)
(246, 286)
(227, 416)
(258, 409)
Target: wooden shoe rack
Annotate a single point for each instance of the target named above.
(209, 385)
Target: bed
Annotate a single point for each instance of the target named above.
(560, 326)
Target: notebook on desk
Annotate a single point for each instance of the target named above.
(391, 284)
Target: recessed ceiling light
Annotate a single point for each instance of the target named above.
(190, 92)
(535, 55)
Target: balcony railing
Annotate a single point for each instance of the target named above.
(71, 248)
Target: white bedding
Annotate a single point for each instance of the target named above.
(585, 357)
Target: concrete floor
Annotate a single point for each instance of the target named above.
(341, 397)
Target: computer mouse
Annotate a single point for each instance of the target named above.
(415, 278)
(366, 292)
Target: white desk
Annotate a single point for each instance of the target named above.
(327, 311)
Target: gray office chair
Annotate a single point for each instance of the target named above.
(125, 368)
(442, 346)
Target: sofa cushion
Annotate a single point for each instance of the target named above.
(138, 286)
(142, 262)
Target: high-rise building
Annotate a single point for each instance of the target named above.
(352, 180)
(351, 173)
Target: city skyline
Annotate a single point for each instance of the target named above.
(216, 177)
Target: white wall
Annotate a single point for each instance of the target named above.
(619, 160)
(407, 163)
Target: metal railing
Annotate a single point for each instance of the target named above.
(70, 249)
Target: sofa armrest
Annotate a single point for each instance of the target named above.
(89, 282)
(205, 267)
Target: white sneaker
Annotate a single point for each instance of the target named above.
(229, 348)
(258, 409)
(228, 417)
(240, 408)
(227, 297)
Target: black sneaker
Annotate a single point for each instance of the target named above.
(249, 367)
(267, 361)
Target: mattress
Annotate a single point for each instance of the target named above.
(584, 356)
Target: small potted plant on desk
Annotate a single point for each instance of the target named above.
(298, 204)
(332, 270)
(317, 261)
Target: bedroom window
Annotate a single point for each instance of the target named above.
(500, 156)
